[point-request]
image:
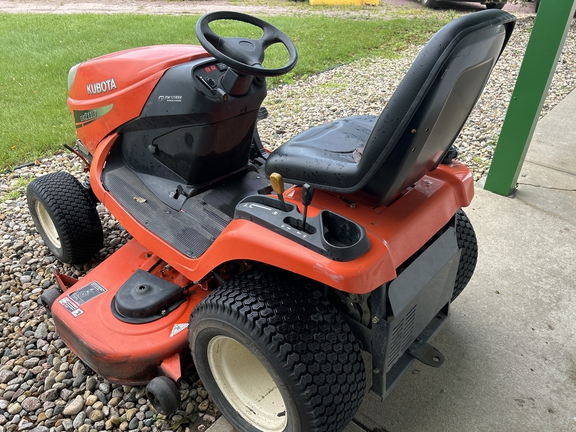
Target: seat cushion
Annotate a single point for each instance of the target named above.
(311, 156)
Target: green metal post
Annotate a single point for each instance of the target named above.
(544, 47)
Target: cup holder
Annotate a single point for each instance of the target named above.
(338, 231)
(342, 238)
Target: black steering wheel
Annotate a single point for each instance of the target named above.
(244, 55)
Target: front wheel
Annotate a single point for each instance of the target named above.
(275, 356)
(163, 394)
(65, 215)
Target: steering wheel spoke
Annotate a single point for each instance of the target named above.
(272, 35)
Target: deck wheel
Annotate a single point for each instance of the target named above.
(163, 394)
(49, 297)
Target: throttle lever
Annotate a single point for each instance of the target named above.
(307, 195)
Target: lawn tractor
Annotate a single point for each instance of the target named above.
(277, 275)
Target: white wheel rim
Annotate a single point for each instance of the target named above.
(47, 224)
(246, 384)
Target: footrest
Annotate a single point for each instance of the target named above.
(426, 353)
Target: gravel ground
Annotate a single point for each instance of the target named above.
(45, 387)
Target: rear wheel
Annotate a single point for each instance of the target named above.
(274, 355)
(466, 238)
(65, 215)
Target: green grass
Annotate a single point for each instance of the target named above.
(16, 188)
(36, 52)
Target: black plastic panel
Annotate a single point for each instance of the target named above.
(145, 298)
(187, 133)
(329, 234)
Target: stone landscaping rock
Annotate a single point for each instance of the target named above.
(74, 407)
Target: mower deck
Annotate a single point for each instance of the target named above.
(124, 352)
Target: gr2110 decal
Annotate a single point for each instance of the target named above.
(85, 117)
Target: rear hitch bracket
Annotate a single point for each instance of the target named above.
(426, 353)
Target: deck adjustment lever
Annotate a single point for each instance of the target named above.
(277, 183)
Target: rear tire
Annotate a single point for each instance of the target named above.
(274, 355)
(467, 243)
(65, 215)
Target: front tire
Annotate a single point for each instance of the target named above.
(275, 356)
(65, 215)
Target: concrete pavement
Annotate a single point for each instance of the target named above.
(510, 342)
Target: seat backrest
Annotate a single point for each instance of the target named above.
(428, 109)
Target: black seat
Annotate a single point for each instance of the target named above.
(371, 159)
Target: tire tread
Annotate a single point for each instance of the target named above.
(466, 238)
(73, 212)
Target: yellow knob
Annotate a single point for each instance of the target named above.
(277, 183)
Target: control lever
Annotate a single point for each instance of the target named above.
(277, 183)
(307, 195)
(211, 85)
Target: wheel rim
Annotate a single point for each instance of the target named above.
(47, 224)
(246, 384)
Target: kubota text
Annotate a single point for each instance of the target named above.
(101, 87)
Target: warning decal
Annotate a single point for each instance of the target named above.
(87, 293)
(71, 307)
(178, 328)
